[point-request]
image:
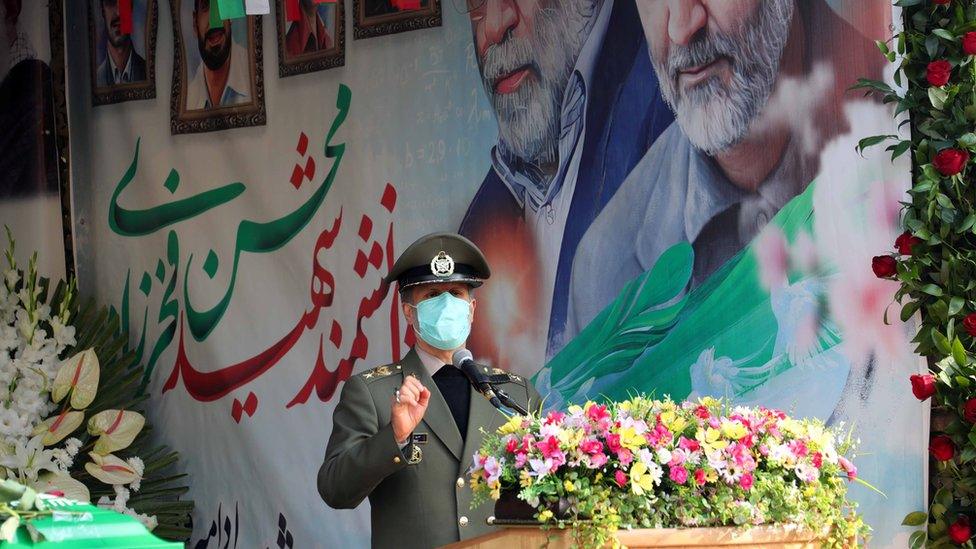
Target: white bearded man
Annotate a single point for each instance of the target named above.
(757, 87)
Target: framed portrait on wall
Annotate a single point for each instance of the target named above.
(382, 17)
(35, 190)
(123, 66)
(218, 80)
(317, 41)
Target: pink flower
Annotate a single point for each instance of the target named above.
(613, 443)
(598, 414)
(702, 412)
(598, 460)
(688, 444)
(848, 467)
(817, 460)
(678, 474)
(511, 445)
(745, 481)
(621, 478)
(554, 417)
(521, 459)
(493, 469)
(625, 456)
(714, 423)
(700, 477)
(799, 448)
(659, 436)
(549, 447)
(591, 446)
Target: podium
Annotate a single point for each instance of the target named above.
(767, 537)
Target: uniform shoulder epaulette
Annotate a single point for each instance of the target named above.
(380, 372)
(501, 376)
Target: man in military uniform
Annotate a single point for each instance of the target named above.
(403, 434)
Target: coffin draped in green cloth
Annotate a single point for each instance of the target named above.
(74, 525)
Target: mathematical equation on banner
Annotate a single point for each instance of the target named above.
(177, 315)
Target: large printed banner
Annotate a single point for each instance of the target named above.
(668, 194)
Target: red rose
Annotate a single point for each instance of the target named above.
(923, 386)
(950, 161)
(969, 324)
(942, 448)
(969, 410)
(700, 477)
(905, 242)
(937, 73)
(884, 266)
(959, 531)
(969, 43)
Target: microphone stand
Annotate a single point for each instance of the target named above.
(508, 401)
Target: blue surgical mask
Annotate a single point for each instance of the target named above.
(444, 321)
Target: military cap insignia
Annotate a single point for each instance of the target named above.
(442, 265)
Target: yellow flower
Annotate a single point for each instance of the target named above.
(708, 401)
(734, 430)
(545, 515)
(599, 477)
(525, 479)
(575, 409)
(474, 480)
(711, 475)
(514, 424)
(625, 405)
(640, 480)
(569, 486)
(496, 492)
(630, 439)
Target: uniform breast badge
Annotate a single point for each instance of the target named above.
(416, 455)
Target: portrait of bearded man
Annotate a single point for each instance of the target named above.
(576, 106)
(757, 88)
(222, 77)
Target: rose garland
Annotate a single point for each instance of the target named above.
(935, 259)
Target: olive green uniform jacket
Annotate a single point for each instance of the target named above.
(419, 496)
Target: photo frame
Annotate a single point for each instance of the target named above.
(229, 55)
(123, 67)
(303, 49)
(373, 18)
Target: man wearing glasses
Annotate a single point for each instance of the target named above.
(577, 105)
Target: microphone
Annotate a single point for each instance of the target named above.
(478, 376)
(464, 361)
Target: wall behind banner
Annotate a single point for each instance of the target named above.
(248, 262)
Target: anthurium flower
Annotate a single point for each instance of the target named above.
(79, 376)
(110, 469)
(115, 429)
(55, 428)
(62, 482)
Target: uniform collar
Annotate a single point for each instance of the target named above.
(431, 363)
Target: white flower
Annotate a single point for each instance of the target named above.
(663, 455)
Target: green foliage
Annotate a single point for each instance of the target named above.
(938, 277)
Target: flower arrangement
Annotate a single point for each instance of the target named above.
(61, 364)
(644, 463)
(932, 261)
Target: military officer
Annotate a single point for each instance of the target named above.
(403, 434)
